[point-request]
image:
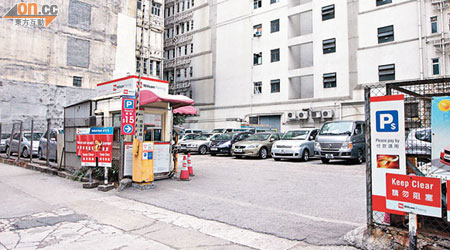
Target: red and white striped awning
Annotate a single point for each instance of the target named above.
(177, 101)
(187, 110)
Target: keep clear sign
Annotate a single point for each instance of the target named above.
(387, 119)
(414, 194)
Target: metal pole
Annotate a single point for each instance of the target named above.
(20, 140)
(32, 139)
(368, 164)
(48, 141)
(412, 231)
(10, 141)
(106, 176)
(121, 157)
(139, 120)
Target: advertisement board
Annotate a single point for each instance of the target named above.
(414, 194)
(440, 153)
(128, 159)
(128, 122)
(128, 86)
(161, 157)
(93, 144)
(387, 119)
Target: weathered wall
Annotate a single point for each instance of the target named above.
(21, 100)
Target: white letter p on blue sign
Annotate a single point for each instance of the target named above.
(387, 121)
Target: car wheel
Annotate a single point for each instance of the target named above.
(325, 160)
(40, 154)
(360, 158)
(263, 153)
(25, 153)
(305, 155)
(202, 150)
(277, 159)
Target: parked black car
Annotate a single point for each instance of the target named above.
(222, 144)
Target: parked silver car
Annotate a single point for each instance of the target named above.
(52, 146)
(295, 144)
(199, 144)
(3, 141)
(418, 142)
(25, 145)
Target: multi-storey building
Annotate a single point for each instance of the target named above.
(44, 69)
(189, 48)
(294, 63)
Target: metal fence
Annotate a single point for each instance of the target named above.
(418, 96)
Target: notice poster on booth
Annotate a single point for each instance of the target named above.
(440, 153)
(387, 119)
(93, 144)
(414, 194)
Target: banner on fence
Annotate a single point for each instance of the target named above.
(440, 120)
(95, 143)
(387, 119)
(414, 194)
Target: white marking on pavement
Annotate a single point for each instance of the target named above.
(248, 204)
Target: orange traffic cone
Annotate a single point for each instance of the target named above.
(184, 174)
(189, 163)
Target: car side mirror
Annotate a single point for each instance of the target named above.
(311, 138)
(272, 139)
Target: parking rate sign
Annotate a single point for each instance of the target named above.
(128, 116)
(387, 129)
(414, 194)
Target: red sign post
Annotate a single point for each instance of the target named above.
(128, 123)
(413, 194)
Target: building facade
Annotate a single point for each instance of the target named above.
(44, 69)
(298, 63)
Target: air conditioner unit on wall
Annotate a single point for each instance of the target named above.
(316, 114)
(292, 115)
(303, 115)
(327, 114)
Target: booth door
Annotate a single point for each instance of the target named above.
(152, 133)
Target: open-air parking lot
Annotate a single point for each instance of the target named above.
(310, 201)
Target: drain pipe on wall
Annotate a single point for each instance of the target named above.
(444, 61)
(419, 10)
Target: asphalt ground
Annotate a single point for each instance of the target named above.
(307, 201)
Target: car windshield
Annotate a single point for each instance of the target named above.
(202, 137)
(424, 135)
(6, 136)
(190, 136)
(258, 137)
(337, 128)
(224, 137)
(218, 130)
(36, 136)
(296, 135)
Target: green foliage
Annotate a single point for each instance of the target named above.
(97, 173)
(179, 119)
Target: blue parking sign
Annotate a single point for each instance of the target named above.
(387, 121)
(129, 104)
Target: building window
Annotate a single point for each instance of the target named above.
(386, 34)
(386, 72)
(192, 48)
(436, 70)
(275, 55)
(185, 50)
(138, 64)
(274, 1)
(257, 88)
(329, 46)
(77, 81)
(257, 58)
(192, 3)
(328, 12)
(434, 24)
(192, 25)
(275, 86)
(257, 30)
(383, 2)
(188, 4)
(151, 67)
(139, 4)
(275, 26)
(257, 4)
(191, 71)
(329, 80)
(145, 66)
(156, 9)
(158, 68)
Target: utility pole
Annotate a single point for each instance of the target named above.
(139, 134)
